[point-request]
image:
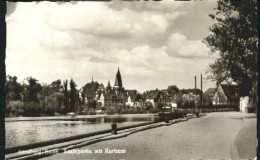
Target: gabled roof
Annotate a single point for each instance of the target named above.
(231, 91)
(131, 93)
(137, 97)
(152, 94)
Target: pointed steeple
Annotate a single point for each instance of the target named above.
(92, 80)
(108, 84)
(118, 81)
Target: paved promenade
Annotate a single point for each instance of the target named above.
(221, 135)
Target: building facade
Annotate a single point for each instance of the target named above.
(226, 94)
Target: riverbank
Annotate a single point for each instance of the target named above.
(27, 152)
(79, 117)
(37, 130)
(215, 136)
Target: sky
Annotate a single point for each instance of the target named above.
(155, 44)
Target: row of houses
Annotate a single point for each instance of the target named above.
(118, 96)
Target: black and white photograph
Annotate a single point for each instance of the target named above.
(129, 80)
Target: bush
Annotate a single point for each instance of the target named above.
(133, 111)
(251, 109)
(15, 108)
(110, 111)
(32, 109)
(154, 110)
(148, 106)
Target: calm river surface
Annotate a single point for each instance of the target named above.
(26, 130)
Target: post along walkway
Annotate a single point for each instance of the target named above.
(220, 135)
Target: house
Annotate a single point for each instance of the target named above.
(101, 100)
(226, 94)
(208, 96)
(153, 97)
(139, 101)
(130, 97)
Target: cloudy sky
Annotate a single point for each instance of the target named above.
(155, 44)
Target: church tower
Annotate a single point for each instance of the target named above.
(108, 86)
(118, 81)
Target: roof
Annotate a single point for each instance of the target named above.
(118, 81)
(131, 93)
(90, 89)
(231, 91)
(187, 91)
(152, 94)
(137, 97)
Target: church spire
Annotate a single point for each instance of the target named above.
(108, 84)
(118, 81)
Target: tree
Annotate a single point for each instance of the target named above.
(179, 100)
(44, 93)
(66, 95)
(83, 98)
(189, 100)
(172, 90)
(160, 106)
(34, 89)
(73, 93)
(148, 106)
(33, 93)
(13, 89)
(56, 85)
(234, 38)
(92, 104)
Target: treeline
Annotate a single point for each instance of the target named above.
(32, 98)
(35, 99)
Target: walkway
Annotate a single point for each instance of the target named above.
(218, 135)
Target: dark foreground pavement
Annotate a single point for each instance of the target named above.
(222, 135)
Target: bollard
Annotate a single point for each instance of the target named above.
(114, 128)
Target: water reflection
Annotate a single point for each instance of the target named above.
(26, 132)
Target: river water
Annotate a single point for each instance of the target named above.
(27, 130)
